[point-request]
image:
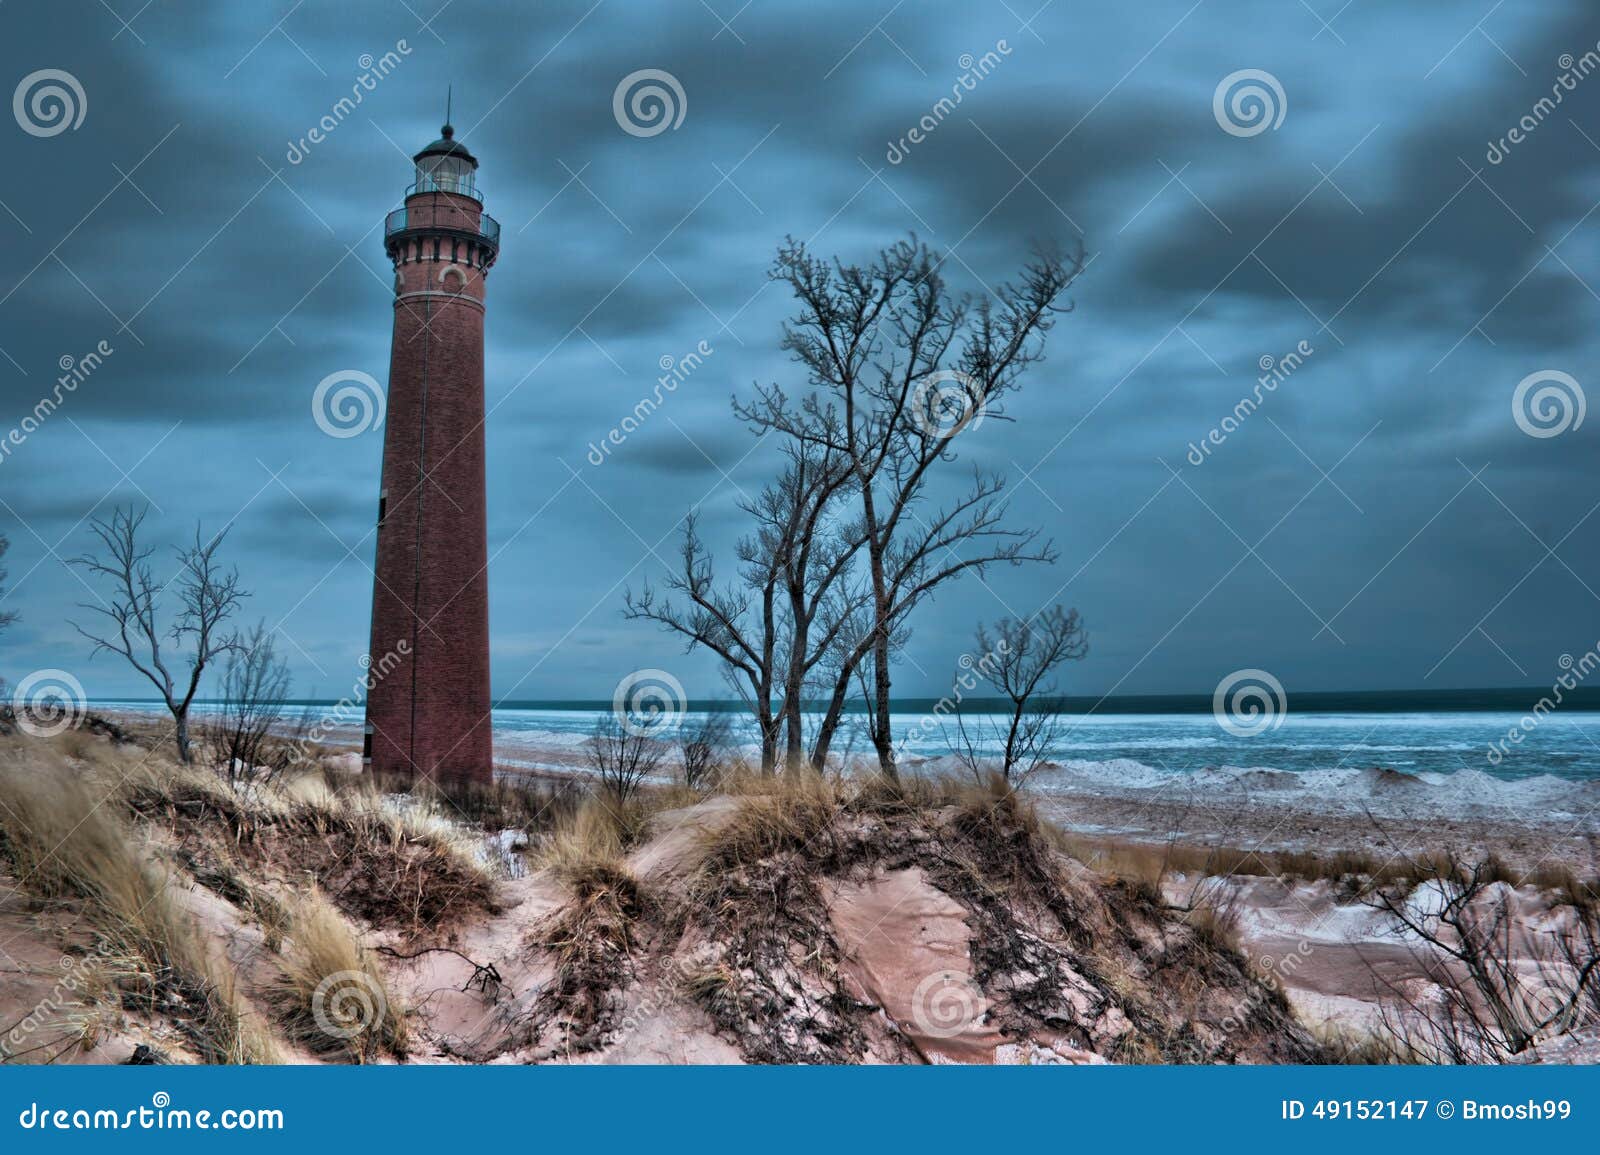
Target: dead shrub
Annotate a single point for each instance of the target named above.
(1497, 987)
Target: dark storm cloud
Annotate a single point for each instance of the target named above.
(230, 280)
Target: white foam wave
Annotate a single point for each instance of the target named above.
(1464, 791)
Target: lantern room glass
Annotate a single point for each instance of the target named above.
(445, 173)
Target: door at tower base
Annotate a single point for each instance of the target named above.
(428, 707)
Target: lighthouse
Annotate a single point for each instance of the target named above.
(428, 683)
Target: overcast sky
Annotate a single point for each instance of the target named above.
(1382, 520)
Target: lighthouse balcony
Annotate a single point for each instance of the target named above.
(397, 222)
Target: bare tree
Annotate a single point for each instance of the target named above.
(897, 366)
(1498, 987)
(1018, 660)
(207, 597)
(783, 617)
(623, 753)
(702, 749)
(6, 616)
(255, 689)
(737, 622)
(814, 554)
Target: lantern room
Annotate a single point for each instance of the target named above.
(446, 166)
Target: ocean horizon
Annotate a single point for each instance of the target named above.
(1505, 699)
(1410, 732)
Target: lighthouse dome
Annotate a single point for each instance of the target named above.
(447, 145)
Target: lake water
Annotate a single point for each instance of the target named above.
(1563, 744)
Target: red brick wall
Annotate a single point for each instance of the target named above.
(430, 713)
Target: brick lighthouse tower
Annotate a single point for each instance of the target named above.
(428, 700)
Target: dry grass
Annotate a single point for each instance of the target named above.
(66, 841)
(591, 841)
(773, 814)
(880, 794)
(395, 860)
(593, 939)
(589, 845)
(1363, 1048)
(331, 992)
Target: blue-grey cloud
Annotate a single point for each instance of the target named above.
(1337, 535)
